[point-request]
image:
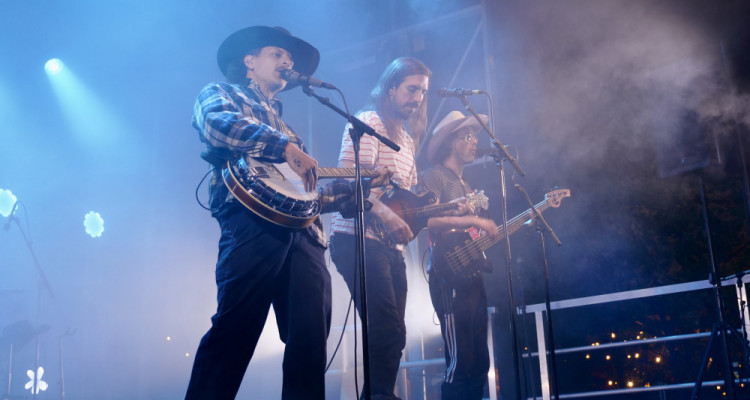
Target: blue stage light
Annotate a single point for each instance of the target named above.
(53, 66)
(90, 121)
(7, 201)
(36, 384)
(94, 224)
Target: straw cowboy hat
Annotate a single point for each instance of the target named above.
(455, 121)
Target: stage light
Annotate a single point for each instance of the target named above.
(93, 124)
(630, 384)
(657, 359)
(53, 66)
(7, 201)
(94, 224)
(36, 384)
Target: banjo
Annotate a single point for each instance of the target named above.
(275, 192)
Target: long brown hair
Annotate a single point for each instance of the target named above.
(380, 101)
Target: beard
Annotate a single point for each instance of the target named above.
(407, 110)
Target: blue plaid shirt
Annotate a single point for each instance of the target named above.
(235, 120)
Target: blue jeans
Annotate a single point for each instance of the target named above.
(386, 306)
(261, 264)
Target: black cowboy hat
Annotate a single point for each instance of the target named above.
(237, 45)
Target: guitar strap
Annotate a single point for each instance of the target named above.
(217, 157)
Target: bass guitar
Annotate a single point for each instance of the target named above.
(459, 253)
(275, 192)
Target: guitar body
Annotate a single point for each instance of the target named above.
(409, 206)
(416, 209)
(455, 257)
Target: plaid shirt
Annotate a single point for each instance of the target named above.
(239, 121)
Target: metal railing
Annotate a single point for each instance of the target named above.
(538, 311)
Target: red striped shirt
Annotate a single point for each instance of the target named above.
(374, 153)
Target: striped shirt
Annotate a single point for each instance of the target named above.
(374, 153)
(445, 184)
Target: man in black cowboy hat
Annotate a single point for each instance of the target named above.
(460, 301)
(260, 263)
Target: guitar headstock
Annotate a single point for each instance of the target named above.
(554, 197)
(479, 199)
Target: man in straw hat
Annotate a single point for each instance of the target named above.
(397, 100)
(262, 264)
(460, 302)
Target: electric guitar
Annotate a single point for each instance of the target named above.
(275, 192)
(416, 209)
(459, 253)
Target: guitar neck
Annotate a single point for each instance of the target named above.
(428, 211)
(514, 225)
(335, 172)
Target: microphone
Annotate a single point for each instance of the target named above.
(11, 216)
(294, 77)
(458, 92)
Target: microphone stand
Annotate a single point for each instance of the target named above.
(495, 141)
(503, 154)
(720, 328)
(543, 226)
(358, 129)
(43, 283)
(742, 300)
(68, 332)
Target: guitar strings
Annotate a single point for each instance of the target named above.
(419, 209)
(434, 206)
(465, 253)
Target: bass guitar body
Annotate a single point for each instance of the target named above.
(454, 258)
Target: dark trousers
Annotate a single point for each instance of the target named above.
(386, 305)
(462, 310)
(261, 264)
